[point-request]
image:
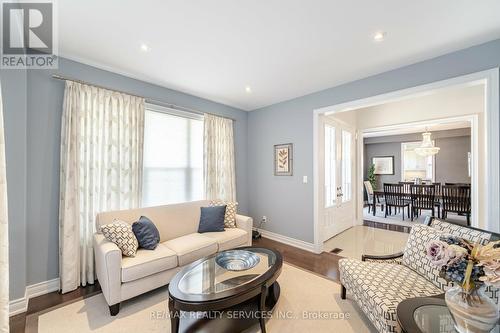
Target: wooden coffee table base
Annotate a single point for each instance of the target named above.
(237, 315)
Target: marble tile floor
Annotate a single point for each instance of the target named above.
(359, 240)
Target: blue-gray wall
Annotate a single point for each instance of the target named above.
(33, 108)
(286, 201)
(14, 85)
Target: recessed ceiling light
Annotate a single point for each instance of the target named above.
(248, 89)
(379, 36)
(145, 48)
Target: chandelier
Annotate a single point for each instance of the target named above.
(427, 146)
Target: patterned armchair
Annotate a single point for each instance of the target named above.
(379, 283)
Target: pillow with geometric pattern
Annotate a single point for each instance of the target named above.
(121, 234)
(231, 209)
(415, 254)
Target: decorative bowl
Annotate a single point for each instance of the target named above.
(237, 260)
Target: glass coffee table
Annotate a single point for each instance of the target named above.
(226, 292)
(426, 315)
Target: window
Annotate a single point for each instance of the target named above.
(414, 165)
(173, 157)
(330, 166)
(346, 167)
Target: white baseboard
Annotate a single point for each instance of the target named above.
(288, 240)
(42, 288)
(20, 305)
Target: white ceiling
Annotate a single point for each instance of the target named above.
(280, 48)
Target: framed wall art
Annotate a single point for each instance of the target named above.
(283, 159)
(384, 165)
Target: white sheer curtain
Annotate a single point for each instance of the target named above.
(4, 234)
(220, 178)
(102, 135)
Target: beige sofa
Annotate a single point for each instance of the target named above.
(122, 278)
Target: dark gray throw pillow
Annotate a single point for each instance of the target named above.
(212, 219)
(146, 233)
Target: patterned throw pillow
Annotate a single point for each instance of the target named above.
(415, 254)
(121, 234)
(231, 210)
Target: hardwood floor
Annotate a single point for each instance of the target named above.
(325, 264)
(18, 322)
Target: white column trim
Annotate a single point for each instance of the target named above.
(492, 109)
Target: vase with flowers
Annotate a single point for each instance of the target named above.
(470, 267)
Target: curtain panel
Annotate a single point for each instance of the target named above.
(102, 138)
(4, 233)
(219, 169)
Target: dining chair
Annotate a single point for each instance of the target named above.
(371, 197)
(456, 199)
(406, 190)
(422, 198)
(406, 186)
(395, 197)
(438, 198)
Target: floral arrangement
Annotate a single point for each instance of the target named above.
(464, 263)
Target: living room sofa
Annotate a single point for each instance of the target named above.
(379, 283)
(122, 278)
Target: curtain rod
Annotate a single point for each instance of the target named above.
(147, 100)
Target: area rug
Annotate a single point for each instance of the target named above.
(308, 303)
(397, 219)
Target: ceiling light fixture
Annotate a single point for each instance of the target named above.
(145, 48)
(248, 89)
(379, 36)
(427, 146)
